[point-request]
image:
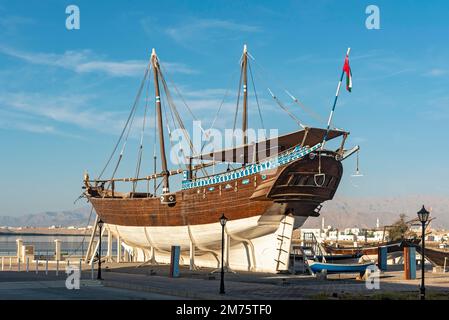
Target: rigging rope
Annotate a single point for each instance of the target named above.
(223, 100)
(188, 108)
(173, 109)
(179, 94)
(237, 105)
(124, 145)
(126, 123)
(255, 94)
(295, 100)
(154, 150)
(168, 127)
(238, 98)
(139, 160)
(309, 111)
(286, 110)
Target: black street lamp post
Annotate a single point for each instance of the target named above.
(423, 216)
(100, 226)
(223, 221)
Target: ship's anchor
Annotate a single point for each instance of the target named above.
(357, 171)
(319, 175)
(316, 178)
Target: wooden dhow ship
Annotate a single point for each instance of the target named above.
(264, 199)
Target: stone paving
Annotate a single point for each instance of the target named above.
(200, 284)
(153, 282)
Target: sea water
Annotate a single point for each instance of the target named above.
(44, 245)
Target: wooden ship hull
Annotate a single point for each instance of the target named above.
(262, 210)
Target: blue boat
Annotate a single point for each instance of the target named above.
(317, 267)
(339, 258)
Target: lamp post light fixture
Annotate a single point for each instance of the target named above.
(223, 221)
(100, 226)
(423, 216)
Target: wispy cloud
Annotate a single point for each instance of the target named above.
(200, 30)
(203, 28)
(319, 58)
(436, 72)
(206, 102)
(61, 114)
(437, 108)
(85, 61)
(10, 24)
(12, 120)
(41, 113)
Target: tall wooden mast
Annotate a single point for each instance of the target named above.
(155, 63)
(245, 103)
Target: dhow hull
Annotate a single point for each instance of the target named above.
(254, 244)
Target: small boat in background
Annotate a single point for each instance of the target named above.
(318, 267)
(438, 257)
(339, 258)
(393, 246)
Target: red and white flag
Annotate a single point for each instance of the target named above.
(347, 70)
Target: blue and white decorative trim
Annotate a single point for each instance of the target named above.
(287, 157)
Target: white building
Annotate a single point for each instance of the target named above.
(349, 231)
(347, 237)
(332, 235)
(317, 232)
(379, 235)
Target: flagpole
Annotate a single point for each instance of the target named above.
(329, 121)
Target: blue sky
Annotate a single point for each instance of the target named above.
(65, 94)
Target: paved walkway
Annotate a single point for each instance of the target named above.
(201, 284)
(56, 290)
(128, 281)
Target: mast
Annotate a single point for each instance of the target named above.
(245, 103)
(165, 172)
(329, 121)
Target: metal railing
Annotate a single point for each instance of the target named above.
(310, 243)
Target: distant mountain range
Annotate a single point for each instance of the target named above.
(363, 212)
(78, 218)
(341, 212)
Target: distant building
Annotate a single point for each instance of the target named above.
(317, 232)
(347, 237)
(379, 235)
(342, 236)
(352, 231)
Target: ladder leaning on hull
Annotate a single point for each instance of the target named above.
(284, 239)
